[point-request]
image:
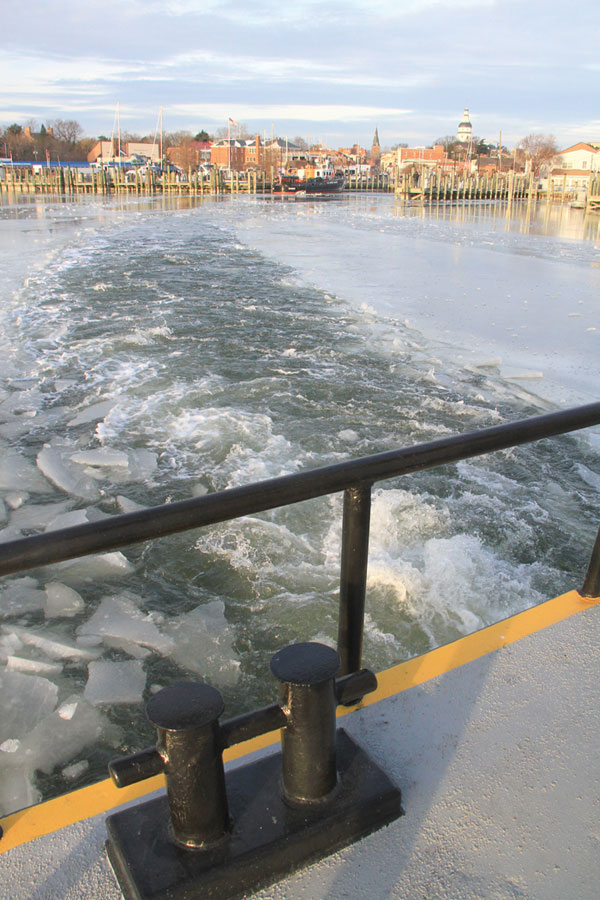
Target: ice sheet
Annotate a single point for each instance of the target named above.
(203, 643)
(110, 683)
(119, 618)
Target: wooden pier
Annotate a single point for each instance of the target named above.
(417, 186)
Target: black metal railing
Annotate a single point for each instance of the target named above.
(354, 477)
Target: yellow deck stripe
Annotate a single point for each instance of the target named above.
(55, 814)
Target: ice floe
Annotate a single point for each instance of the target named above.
(204, 644)
(20, 596)
(53, 461)
(94, 568)
(119, 623)
(19, 474)
(112, 683)
(93, 413)
(62, 601)
(53, 646)
(102, 456)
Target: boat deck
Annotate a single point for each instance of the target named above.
(493, 741)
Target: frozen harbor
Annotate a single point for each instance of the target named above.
(155, 352)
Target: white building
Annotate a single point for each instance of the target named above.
(465, 129)
(583, 157)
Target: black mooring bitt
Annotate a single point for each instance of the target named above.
(218, 837)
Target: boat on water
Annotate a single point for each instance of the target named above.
(293, 184)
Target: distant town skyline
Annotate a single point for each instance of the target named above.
(324, 71)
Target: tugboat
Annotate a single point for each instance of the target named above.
(293, 184)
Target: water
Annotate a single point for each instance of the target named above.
(155, 351)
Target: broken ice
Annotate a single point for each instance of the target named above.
(115, 682)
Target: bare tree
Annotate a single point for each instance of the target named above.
(538, 149)
(67, 130)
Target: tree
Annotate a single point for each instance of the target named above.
(67, 130)
(538, 149)
(202, 136)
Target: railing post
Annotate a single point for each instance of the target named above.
(591, 583)
(353, 580)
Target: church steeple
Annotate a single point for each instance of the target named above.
(375, 149)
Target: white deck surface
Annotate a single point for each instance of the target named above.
(499, 765)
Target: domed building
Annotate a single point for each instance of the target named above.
(465, 129)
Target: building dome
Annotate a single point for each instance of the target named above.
(465, 129)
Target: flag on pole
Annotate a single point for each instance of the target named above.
(232, 121)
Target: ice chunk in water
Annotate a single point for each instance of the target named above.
(102, 456)
(62, 601)
(76, 517)
(65, 475)
(20, 596)
(57, 739)
(37, 516)
(142, 463)
(115, 682)
(93, 413)
(95, 568)
(18, 474)
(75, 769)
(24, 700)
(32, 666)
(204, 644)
(55, 646)
(126, 505)
(15, 499)
(9, 644)
(119, 619)
(17, 790)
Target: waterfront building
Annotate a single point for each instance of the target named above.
(574, 167)
(584, 156)
(464, 132)
(431, 157)
(108, 151)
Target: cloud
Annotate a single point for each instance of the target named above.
(290, 112)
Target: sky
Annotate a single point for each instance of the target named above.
(329, 70)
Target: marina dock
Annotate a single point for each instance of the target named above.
(416, 186)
